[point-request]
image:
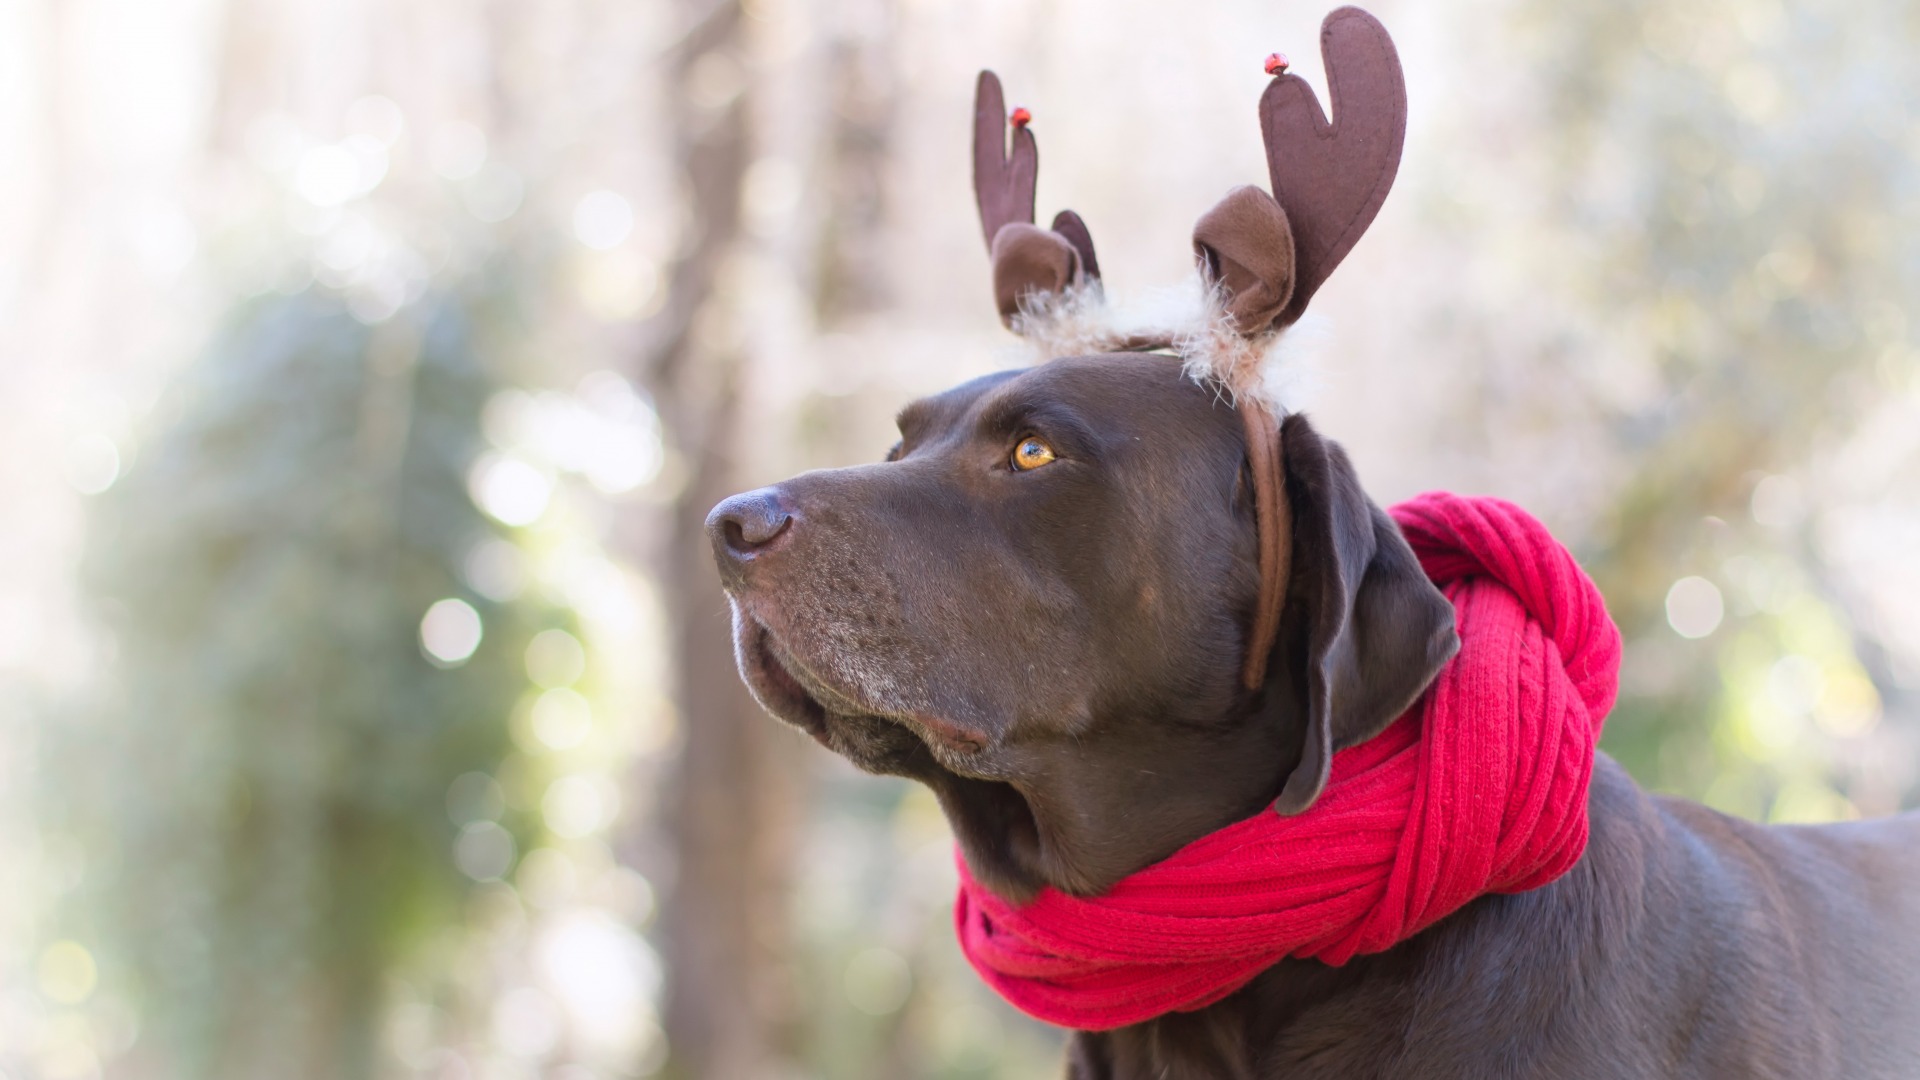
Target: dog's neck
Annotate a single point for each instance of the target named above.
(1092, 821)
(1358, 1019)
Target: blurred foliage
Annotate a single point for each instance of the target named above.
(268, 797)
(1741, 192)
(895, 1000)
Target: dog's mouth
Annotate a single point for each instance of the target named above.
(770, 676)
(991, 819)
(841, 718)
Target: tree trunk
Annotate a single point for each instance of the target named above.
(732, 804)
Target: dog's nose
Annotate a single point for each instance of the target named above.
(746, 525)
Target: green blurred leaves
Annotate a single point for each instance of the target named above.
(265, 787)
(1742, 178)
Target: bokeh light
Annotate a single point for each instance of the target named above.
(602, 219)
(511, 490)
(483, 851)
(450, 632)
(555, 659)
(562, 718)
(1694, 607)
(67, 973)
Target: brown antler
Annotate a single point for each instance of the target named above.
(1332, 177)
(1268, 255)
(1003, 179)
(1026, 259)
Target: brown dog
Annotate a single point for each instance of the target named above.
(1054, 652)
(1041, 606)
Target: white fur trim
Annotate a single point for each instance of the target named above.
(1273, 368)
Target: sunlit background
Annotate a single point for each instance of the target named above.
(366, 368)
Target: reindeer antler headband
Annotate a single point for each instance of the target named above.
(1261, 256)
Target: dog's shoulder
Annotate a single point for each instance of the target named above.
(1801, 933)
(1827, 883)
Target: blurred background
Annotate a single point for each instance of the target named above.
(366, 706)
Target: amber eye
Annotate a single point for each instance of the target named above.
(1031, 454)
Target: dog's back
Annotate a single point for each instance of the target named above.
(1813, 932)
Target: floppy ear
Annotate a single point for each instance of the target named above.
(1364, 631)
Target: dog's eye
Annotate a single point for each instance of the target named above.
(1031, 454)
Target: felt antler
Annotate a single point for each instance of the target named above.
(1026, 259)
(1269, 255)
(1332, 177)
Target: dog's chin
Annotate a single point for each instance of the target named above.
(773, 685)
(991, 820)
(785, 689)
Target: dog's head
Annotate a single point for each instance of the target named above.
(1040, 603)
(1059, 601)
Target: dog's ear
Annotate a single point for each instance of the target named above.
(1364, 631)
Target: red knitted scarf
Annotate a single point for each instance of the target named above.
(1480, 788)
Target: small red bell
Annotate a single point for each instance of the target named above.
(1277, 63)
(1021, 117)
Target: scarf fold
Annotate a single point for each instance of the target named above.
(1481, 787)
